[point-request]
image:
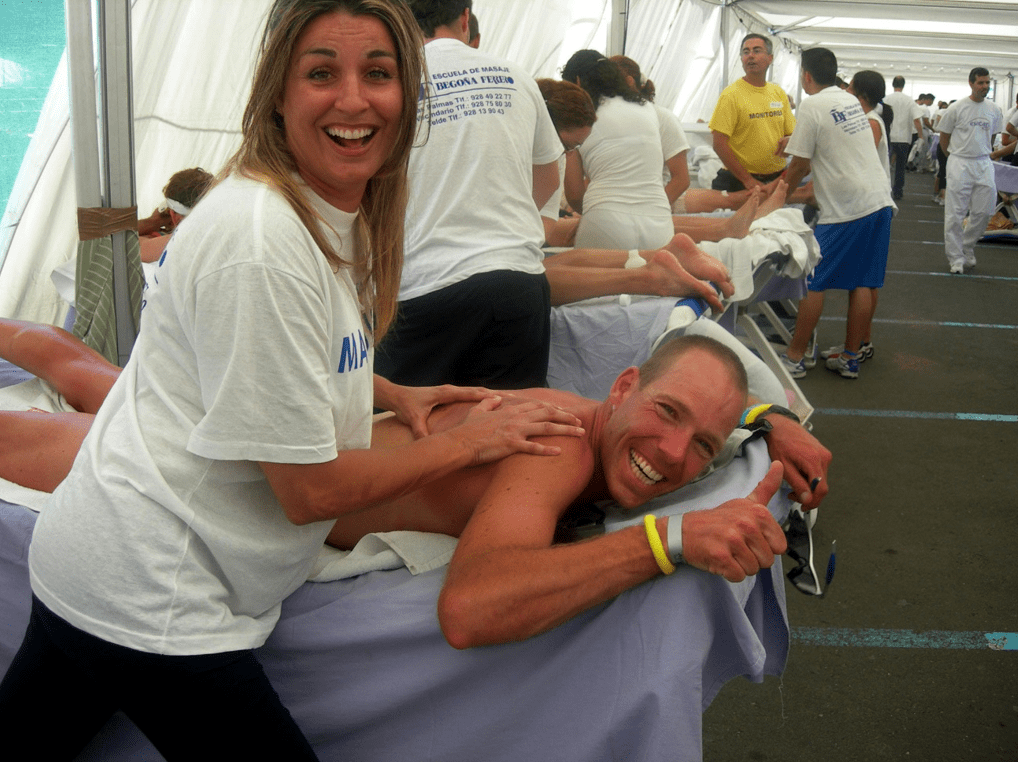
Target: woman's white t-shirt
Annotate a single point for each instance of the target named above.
(166, 536)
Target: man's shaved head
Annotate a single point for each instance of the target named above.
(672, 349)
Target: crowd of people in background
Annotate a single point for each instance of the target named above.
(619, 167)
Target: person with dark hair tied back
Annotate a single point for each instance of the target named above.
(674, 140)
(631, 71)
(834, 140)
(239, 430)
(572, 112)
(869, 88)
(624, 205)
(585, 273)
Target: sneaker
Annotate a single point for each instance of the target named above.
(865, 351)
(845, 365)
(809, 360)
(796, 369)
(957, 270)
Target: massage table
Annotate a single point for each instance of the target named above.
(1006, 177)
(592, 341)
(359, 659)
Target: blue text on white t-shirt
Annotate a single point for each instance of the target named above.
(354, 352)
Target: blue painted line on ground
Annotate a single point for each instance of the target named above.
(875, 638)
(984, 417)
(952, 275)
(933, 323)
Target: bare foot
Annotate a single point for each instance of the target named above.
(774, 201)
(737, 226)
(699, 264)
(737, 198)
(670, 278)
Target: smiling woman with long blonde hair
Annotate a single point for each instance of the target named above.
(238, 430)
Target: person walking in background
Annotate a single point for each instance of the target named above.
(967, 131)
(907, 119)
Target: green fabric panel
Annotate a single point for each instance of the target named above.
(96, 322)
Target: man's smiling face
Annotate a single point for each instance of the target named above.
(662, 434)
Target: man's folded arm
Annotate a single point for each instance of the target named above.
(507, 581)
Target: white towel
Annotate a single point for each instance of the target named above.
(417, 551)
(784, 231)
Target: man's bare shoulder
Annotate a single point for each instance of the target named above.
(552, 484)
(574, 403)
(445, 417)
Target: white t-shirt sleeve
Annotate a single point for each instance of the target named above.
(551, 209)
(802, 142)
(673, 139)
(261, 334)
(917, 113)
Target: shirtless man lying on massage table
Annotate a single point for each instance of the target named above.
(661, 425)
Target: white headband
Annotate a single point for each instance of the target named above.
(178, 207)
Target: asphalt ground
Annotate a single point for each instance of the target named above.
(907, 656)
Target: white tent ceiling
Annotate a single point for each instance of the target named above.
(934, 40)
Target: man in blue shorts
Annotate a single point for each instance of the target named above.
(834, 140)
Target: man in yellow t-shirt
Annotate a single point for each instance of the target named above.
(751, 122)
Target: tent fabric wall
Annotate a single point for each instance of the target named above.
(686, 74)
(25, 247)
(191, 82)
(508, 31)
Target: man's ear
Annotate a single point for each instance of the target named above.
(626, 383)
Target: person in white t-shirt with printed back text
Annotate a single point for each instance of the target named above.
(833, 140)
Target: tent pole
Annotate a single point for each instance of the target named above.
(118, 140)
(81, 85)
(617, 31)
(725, 34)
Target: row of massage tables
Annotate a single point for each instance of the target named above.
(1006, 178)
(358, 656)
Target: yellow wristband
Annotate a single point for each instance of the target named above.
(751, 413)
(656, 546)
